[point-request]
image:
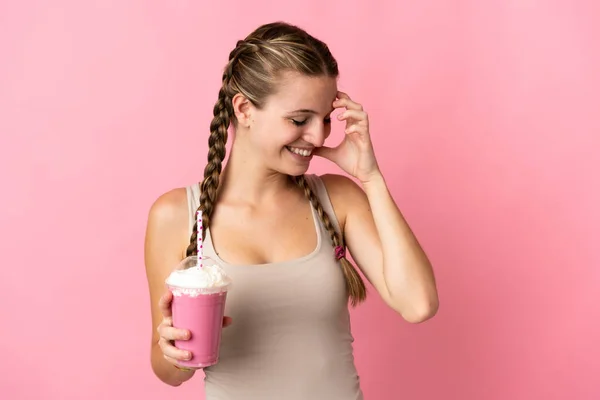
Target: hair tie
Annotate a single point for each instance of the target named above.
(340, 252)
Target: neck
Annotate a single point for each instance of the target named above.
(244, 178)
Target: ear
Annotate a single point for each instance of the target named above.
(242, 107)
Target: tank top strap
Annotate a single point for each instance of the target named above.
(315, 182)
(317, 185)
(193, 201)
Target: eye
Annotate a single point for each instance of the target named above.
(299, 123)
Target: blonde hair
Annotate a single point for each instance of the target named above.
(253, 68)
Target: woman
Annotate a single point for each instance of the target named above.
(282, 235)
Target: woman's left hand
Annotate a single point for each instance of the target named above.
(355, 154)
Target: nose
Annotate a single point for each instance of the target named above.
(317, 134)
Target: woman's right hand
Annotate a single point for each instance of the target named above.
(167, 333)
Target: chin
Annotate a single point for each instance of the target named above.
(292, 170)
(295, 171)
(294, 165)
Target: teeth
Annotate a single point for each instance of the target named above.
(301, 152)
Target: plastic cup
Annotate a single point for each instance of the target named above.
(199, 310)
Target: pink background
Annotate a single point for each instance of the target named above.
(485, 117)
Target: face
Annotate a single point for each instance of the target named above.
(293, 122)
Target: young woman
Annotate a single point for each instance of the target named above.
(282, 235)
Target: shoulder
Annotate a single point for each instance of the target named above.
(168, 219)
(337, 184)
(345, 194)
(342, 190)
(170, 207)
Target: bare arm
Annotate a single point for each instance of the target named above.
(166, 236)
(384, 247)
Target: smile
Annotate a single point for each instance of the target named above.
(300, 152)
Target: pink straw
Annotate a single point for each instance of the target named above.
(199, 244)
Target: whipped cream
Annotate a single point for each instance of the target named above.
(196, 280)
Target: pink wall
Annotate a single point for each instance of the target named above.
(486, 120)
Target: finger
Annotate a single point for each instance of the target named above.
(170, 333)
(182, 368)
(342, 95)
(349, 104)
(164, 303)
(176, 363)
(355, 128)
(165, 323)
(175, 353)
(355, 114)
(227, 321)
(170, 359)
(325, 152)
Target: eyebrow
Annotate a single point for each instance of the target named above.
(307, 111)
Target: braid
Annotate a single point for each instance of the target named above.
(216, 154)
(222, 117)
(354, 283)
